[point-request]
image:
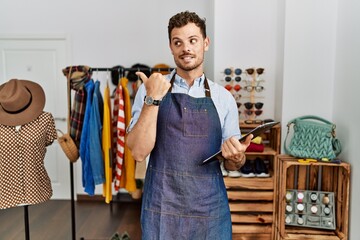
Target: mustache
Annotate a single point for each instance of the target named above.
(186, 54)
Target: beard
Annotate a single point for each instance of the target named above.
(189, 67)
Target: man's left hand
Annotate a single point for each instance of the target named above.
(234, 152)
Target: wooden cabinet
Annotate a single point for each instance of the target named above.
(329, 177)
(252, 200)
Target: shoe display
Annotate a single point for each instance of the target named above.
(248, 169)
(125, 236)
(261, 170)
(234, 174)
(115, 236)
(257, 186)
(223, 170)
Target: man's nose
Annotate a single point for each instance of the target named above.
(187, 47)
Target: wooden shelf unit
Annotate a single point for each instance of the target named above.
(334, 178)
(251, 200)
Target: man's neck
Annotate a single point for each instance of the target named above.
(190, 76)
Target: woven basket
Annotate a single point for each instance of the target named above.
(68, 146)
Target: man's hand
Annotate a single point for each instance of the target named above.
(156, 85)
(234, 152)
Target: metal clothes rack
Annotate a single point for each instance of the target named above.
(122, 72)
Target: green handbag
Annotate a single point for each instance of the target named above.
(313, 137)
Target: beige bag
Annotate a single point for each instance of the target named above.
(68, 146)
(66, 142)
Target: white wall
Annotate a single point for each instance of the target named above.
(246, 35)
(309, 58)
(346, 110)
(321, 69)
(103, 33)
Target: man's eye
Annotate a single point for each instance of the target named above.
(177, 43)
(193, 41)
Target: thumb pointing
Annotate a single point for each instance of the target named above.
(142, 75)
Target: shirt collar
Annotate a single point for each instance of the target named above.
(181, 82)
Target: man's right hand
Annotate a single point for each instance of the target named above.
(156, 85)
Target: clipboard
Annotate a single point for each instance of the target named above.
(255, 132)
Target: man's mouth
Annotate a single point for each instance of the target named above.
(186, 57)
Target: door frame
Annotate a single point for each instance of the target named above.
(49, 37)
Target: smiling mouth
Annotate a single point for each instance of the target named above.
(187, 57)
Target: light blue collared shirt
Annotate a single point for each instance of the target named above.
(223, 100)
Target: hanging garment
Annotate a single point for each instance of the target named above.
(87, 176)
(23, 177)
(183, 200)
(95, 136)
(106, 146)
(128, 173)
(77, 115)
(78, 77)
(119, 136)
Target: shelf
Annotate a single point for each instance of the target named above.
(252, 201)
(254, 183)
(252, 218)
(267, 151)
(251, 207)
(251, 126)
(252, 236)
(250, 195)
(245, 228)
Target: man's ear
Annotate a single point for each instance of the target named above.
(206, 44)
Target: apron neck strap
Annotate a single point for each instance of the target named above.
(206, 86)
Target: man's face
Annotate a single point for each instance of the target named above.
(188, 46)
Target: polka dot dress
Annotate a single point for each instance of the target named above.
(23, 177)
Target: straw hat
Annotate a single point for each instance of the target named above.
(21, 101)
(163, 66)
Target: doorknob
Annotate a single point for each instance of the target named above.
(60, 119)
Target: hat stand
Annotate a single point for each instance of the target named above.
(26, 222)
(97, 69)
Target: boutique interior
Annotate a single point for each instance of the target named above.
(280, 59)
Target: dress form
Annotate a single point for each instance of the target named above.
(25, 205)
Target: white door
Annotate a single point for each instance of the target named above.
(41, 60)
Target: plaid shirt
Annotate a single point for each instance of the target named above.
(79, 76)
(77, 115)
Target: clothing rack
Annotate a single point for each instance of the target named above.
(122, 71)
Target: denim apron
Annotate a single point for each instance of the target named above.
(183, 200)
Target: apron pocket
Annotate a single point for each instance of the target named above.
(196, 122)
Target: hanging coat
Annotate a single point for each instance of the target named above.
(119, 136)
(128, 173)
(106, 146)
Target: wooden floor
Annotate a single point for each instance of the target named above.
(52, 220)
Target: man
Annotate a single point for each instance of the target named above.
(180, 120)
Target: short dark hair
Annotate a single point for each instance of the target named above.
(183, 18)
